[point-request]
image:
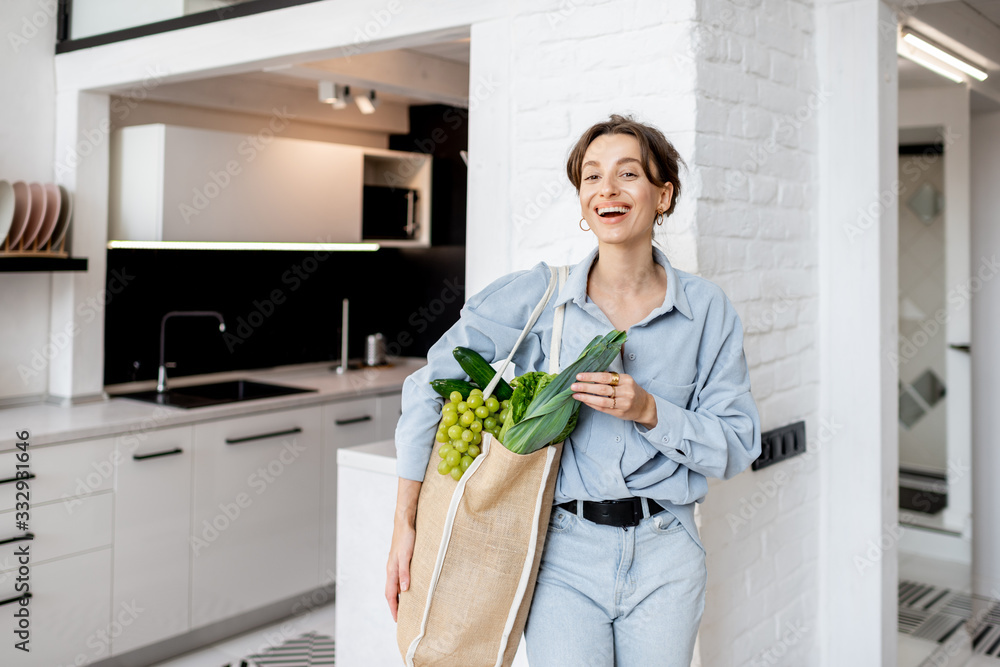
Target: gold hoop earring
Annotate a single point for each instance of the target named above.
(581, 225)
(659, 217)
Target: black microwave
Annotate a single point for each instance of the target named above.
(388, 213)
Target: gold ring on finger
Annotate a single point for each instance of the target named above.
(614, 402)
(614, 379)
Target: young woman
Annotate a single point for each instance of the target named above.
(622, 576)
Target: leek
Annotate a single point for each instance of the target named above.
(545, 411)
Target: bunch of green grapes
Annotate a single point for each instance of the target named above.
(460, 432)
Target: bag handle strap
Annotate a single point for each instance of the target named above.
(557, 326)
(488, 391)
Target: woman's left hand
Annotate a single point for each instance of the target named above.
(626, 400)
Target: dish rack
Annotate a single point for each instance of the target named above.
(34, 220)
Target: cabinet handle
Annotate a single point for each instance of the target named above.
(262, 436)
(30, 475)
(19, 597)
(352, 420)
(961, 347)
(168, 452)
(19, 538)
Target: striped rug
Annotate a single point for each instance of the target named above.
(310, 650)
(935, 613)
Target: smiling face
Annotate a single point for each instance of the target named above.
(617, 200)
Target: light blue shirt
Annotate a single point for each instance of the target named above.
(687, 353)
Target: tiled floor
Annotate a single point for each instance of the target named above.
(231, 651)
(913, 651)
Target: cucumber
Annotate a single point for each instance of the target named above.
(481, 372)
(445, 387)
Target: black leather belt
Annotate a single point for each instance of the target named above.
(620, 513)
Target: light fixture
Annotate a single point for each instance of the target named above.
(937, 58)
(238, 245)
(333, 94)
(366, 103)
(923, 61)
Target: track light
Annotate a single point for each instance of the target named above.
(331, 93)
(937, 59)
(366, 103)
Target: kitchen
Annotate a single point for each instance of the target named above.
(131, 473)
(525, 84)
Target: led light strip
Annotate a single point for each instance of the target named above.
(238, 245)
(915, 40)
(937, 69)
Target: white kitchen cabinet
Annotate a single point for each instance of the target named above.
(61, 472)
(257, 499)
(151, 535)
(70, 613)
(345, 424)
(171, 183)
(390, 407)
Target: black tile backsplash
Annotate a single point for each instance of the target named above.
(280, 307)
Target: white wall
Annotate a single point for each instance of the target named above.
(985, 132)
(858, 457)
(27, 122)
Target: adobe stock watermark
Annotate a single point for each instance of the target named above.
(762, 151)
(452, 291)
(220, 179)
(90, 139)
(258, 481)
(773, 654)
(32, 25)
(364, 34)
(409, 164)
(767, 490)
(549, 193)
(88, 310)
(764, 322)
(264, 308)
(958, 296)
(891, 534)
(868, 216)
(104, 469)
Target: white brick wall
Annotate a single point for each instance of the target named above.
(756, 238)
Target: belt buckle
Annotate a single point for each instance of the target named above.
(636, 513)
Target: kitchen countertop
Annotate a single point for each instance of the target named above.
(374, 456)
(49, 424)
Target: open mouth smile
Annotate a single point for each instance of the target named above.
(613, 212)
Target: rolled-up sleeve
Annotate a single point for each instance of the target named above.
(490, 323)
(720, 437)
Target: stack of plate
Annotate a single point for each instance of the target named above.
(34, 217)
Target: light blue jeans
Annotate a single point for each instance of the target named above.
(616, 597)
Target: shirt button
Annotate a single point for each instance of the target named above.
(631, 356)
(666, 438)
(618, 438)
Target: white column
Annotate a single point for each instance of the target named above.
(488, 226)
(985, 294)
(76, 323)
(858, 323)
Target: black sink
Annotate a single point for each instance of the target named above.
(215, 393)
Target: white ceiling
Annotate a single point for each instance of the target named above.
(969, 29)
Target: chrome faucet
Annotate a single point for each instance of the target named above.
(161, 382)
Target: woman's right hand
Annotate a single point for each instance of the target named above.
(404, 533)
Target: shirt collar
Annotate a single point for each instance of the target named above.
(575, 288)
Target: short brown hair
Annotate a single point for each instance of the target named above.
(658, 156)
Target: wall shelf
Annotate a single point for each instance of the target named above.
(21, 264)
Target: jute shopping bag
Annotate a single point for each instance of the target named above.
(478, 547)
